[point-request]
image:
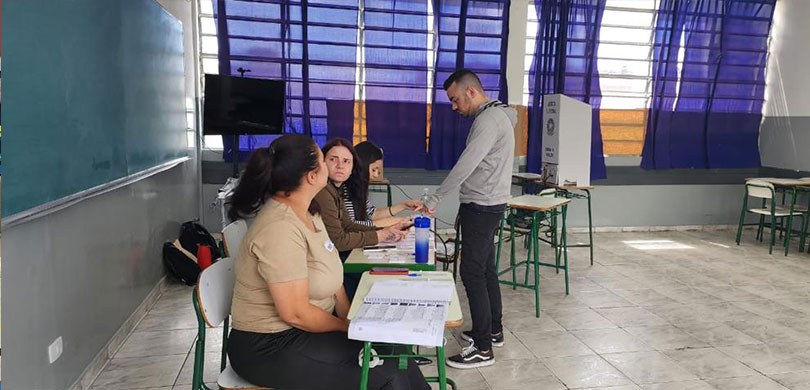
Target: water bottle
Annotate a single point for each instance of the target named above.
(203, 256)
(424, 199)
(422, 226)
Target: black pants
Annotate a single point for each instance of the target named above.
(478, 227)
(299, 360)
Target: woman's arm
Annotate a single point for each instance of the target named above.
(342, 303)
(409, 204)
(390, 221)
(292, 301)
(343, 234)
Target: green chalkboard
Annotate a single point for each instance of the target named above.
(93, 91)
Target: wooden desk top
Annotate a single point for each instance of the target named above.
(537, 178)
(537, 203)
(454, 316)
(567, 187)
(527, 176)
(783, 182)
(401, 256)
(381, 182)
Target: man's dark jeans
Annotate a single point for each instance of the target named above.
(478, 227)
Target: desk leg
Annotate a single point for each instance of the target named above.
(790, 221)
(564, 243)
(364, 373)
(555, 239)
(512, 254)
(389, 195)
(440, 365)
(535, 243)
(590, 225)
(500, 243)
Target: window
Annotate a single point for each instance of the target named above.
(208, 56)
(383, 34)
(395, 55)
(623, 60)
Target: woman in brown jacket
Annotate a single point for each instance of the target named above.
(342, 162)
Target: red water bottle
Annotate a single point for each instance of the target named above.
(203, 256)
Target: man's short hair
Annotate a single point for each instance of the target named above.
(464, 77)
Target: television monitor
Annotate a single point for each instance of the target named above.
(242, 106)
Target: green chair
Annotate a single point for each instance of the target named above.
(212, 303)
(765, 191)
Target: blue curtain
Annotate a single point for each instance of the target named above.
(708, 116)
(565, 62)
(310, 44)
(470, 34)
(395, 44)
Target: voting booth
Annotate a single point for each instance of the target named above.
(566, 140)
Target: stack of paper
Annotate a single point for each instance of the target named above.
(403, 312)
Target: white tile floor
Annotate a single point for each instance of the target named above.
(665, 310)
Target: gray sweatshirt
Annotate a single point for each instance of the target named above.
(484, 169)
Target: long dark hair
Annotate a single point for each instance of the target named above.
(276, 168)
(369, 153)
(357, 183)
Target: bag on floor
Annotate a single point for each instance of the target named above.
(180, 256)
(193, 234)
(180, 264)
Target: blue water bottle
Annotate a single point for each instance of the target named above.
(422, 225)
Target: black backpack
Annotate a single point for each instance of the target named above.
(179, 256)
(179, 265)
(192, 234)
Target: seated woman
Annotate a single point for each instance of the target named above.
(289, 307)
(347, 235)
(370, 161)
(345, 175)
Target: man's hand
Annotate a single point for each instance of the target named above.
(413, 205)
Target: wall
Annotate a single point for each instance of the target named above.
(80, 272)
(613, 206)
(785, 133)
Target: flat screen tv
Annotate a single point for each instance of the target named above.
(240, 105)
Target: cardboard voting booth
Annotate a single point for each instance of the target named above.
(566, 140)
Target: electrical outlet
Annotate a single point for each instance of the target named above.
(55, 350)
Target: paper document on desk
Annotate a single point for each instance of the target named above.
(404, 312)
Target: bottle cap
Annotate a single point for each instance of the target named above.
(421, 222)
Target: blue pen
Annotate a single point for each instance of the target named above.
(412, 275)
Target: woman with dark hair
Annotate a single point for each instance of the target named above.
(370, 162)
(289, 307)
(345, 175)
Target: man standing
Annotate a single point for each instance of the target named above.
(484, 173)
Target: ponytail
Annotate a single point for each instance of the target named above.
(255, 185)
(277, 168)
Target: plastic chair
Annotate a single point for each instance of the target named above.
(765, 191)
(212, 304)
(233, 235)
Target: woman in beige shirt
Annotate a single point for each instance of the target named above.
(289, 307)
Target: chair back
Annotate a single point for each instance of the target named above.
(233, 234)
(215, 291)
(759, 189)
(549, 192)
